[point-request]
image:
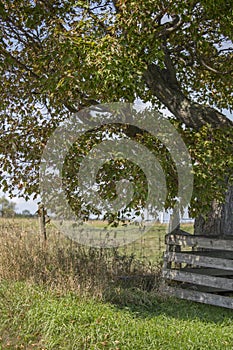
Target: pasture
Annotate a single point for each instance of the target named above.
(61, 295)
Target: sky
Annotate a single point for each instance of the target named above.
(21, 204)
(31, 205)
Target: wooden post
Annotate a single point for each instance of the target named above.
(175, 222)
(42, 220)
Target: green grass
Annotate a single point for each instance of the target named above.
(33, 317)
(60, 295)
(151, 245)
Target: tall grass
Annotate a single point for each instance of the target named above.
(53, 296)
(64, 265)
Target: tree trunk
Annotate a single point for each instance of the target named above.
(164, 85)
(219, 221)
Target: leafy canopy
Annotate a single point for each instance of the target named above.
(57, 57)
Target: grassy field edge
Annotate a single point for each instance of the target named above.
(34, 317)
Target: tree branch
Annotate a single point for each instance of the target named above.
(170, 71)
(19, 63)
(190, 113)
(213, 70)
(170, 27)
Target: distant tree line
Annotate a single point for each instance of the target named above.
(8, 209)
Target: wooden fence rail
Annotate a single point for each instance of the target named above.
(203, 272)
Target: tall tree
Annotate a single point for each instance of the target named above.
(60, 56)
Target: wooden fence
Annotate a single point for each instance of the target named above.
(199, 268)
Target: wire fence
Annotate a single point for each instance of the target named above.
(149, 245)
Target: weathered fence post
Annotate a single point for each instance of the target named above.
(42, 220)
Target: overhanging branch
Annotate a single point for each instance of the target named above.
(188, 112)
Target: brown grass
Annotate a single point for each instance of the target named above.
(63, 264)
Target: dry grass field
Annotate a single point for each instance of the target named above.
(66, 265)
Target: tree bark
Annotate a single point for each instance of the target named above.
(219, 221)
(164, 85)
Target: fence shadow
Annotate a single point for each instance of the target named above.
(145, 304)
